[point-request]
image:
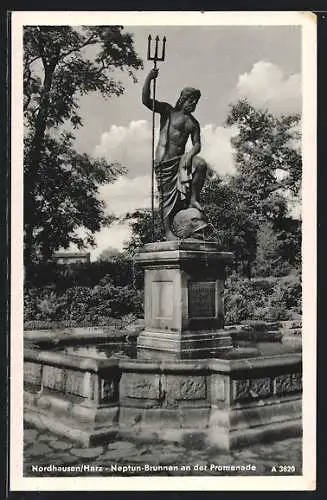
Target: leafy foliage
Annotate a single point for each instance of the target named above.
(233, 226)
(248, 211)
(141, 224)
(62, 196)
(62, 63)
(265, 146)
(94, 305)
(266, 300)
(271, 299)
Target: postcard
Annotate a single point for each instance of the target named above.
(163, 249)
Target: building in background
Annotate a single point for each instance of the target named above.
(68, 258)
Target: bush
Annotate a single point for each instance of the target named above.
(288, 292)
(273, 299)
(270, 299)
(83, 304)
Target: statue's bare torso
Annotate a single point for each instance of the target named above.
(175, 129)
(177, 125)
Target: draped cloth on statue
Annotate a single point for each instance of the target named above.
(174, 183)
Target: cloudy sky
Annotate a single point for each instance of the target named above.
(262, 63)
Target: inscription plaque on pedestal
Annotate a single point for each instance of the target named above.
(202, 299)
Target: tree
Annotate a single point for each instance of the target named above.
(268, 169)
(290, 238)
(62, 63)
(278, 248)
(268, 259)
(231, 222)
(267, 158)
(140, 222)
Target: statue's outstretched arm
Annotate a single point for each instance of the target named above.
(159, 107)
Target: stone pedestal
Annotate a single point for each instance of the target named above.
(183, 298)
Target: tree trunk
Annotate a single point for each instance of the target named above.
(41, 119)
(33, 159)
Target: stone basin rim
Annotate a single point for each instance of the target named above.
(184, 365)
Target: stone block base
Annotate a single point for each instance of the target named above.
(195, 344)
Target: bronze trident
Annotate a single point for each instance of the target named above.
(155, 58)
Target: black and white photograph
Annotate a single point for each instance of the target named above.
(163, 251)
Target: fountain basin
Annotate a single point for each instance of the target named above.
(225, 403)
